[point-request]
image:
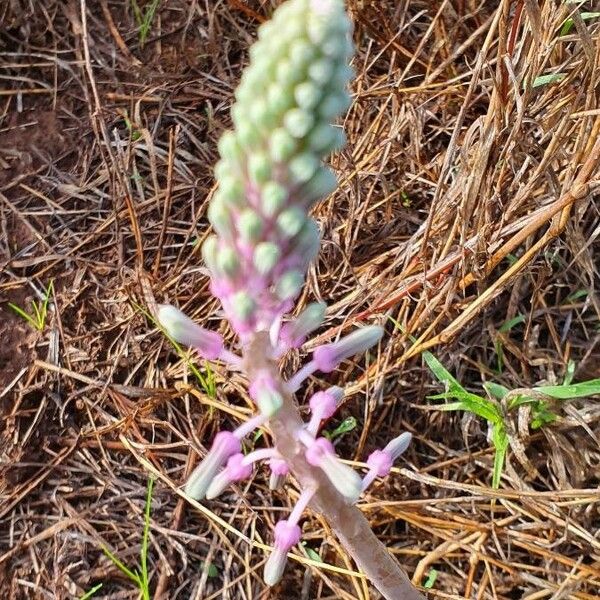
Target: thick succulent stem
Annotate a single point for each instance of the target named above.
(348, 523)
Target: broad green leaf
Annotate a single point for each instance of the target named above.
(500, 441)
(574, 390)
(495, 390)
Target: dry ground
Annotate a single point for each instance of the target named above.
(468, 197)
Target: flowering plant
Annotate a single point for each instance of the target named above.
(269, 175)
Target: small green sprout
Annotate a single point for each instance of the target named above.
(91, 592)
(139, 577)
(144, 20)
(505, 328)
(37, 318)
(347, 425)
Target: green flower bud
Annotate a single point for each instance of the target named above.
(279, 99)
(266, 256)
(259, 168)
(291, 221)
(243, 305)
(250, 225)
(298, 122)
(288, 74)
(248, 134)
(273, 198)
(282, 145)
(219, 217)
(209, 252)
(289, 285)
(334, 105)
(309, 241)
(342, 76)
(322, 184)
(261, 114)
(229, 148)
(231, 190)
(307, 95)
(302, 53)
(228, 261)
(321, 71)
(303, 167)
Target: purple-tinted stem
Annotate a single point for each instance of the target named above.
(348, 523)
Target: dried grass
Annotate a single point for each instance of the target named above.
(467, 197)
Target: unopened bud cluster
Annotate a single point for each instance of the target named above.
(269, 175)
(270, 172)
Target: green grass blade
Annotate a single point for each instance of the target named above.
(511, 323)
(146, 24)
(500, 440)
(573, 390)
(23, 314)
(441, 373)
(137, 13)
(144, 552)
(495, 390)
(123, 568)
(91, 592)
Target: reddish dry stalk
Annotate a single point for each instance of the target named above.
(348, 523)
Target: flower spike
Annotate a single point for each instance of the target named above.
(269, 176)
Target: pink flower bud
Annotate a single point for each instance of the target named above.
(287, 535)
(279, 467)
(236, 470)
(184, 331)
(347, 482)
(324, 404)
(329, 356)
(380, 462)
(224, 445)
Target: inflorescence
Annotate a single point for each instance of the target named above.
(269, 175)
